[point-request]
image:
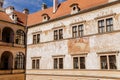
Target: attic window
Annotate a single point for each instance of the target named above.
(45, 17)
(74, 8)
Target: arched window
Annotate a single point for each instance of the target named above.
(6, 61)
(20, 37)
(19, 61)
(7, 35)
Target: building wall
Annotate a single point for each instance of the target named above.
(91, 45)
(14, 49)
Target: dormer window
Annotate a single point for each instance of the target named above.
(74, 8)
(45, 17)
(14, 17)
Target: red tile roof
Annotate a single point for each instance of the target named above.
(22, 18)
(63, 9)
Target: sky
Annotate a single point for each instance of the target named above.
(32, 5)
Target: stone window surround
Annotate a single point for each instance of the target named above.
(35, 58)
(77, 24)
(58, 56)
(107, 53)
(36, 34)
(79, 55)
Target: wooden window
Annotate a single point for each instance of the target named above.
(80, 30)
(20, 37)
(35, 63)
(74, 31)
(108, 62)
(58, 34)
(79, 62)
(105, 25)
(101, 26)
(58, 63)
(19, 61)
(36, 38)
(109, 24)
(77, 31)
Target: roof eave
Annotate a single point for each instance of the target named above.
(82, 11)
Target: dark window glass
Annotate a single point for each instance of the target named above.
(19, 61)
(20, 37)
(38, 38)
(75, 63)
(103, 60)
(74, 31)
(60, 63)
(33, 64)
(80, 30)
(109, 24)
(82, 62)
(56, 35)
(112, 62)
(34, 39)
(61, 34)
(37, 64)
(101, 26)
(55, 63)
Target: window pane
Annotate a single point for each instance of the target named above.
(82, 62)
(101, 26)
(103, 60)
(109, 24)
(55, 35)
(37, 64)
(38, 38)
(60, 63)
(33, 64)
(112, 62)
(55, 63)
(61, 34)
(74, 31)
(34, 39)
(75, 63)
(80, 30)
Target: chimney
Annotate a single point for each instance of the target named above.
(26, 11)
(44, 6)
(1, 3)
(55, 5)
(9, 10)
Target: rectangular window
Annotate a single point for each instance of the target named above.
(80, 30)
(35, 63)
(55, 35)
(108, 62)
(105, 25)
(58, 34)
(36, 38)
(61, 34)
(58, 63)
(101, 26)
(77, 31)
(74, 31)
(79, 62)
(109, 24)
